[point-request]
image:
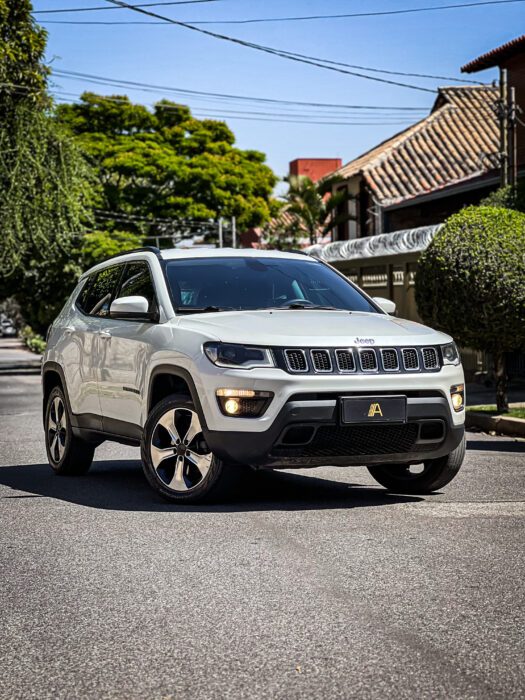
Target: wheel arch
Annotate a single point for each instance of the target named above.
(52, 376)
(166, 380)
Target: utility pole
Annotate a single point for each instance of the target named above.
(220, 232)
(234, 231)
(504, 126)
(513, 145)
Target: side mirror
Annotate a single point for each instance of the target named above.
(388, 306)
(131, 308)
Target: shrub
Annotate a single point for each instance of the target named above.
(470, 283)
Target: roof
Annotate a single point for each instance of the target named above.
(496, 57)
(457, 141)
(174, 254)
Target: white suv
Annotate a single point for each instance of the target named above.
(213, 360)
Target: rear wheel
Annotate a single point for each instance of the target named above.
(67, 453)
(431, 476)
(176, 460)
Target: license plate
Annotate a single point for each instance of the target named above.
(373, 409)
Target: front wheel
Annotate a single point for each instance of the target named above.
(176, 460)
(434, 474)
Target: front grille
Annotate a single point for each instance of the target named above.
(321, 360)
(296, 360)
(410, 358)
(383, 360)
(390, 361)
(341, 441)
(368, 360)
(345, 360)
(430, 358)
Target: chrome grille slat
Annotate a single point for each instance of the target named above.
(368, 360)
(430, 358)
(296, 360)
(410, 359)
(390, 359)
(321, 360)
(345, 360)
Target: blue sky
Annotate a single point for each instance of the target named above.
(428, 42)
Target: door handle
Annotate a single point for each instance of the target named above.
(104, 334)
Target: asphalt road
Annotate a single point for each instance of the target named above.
(307, 585)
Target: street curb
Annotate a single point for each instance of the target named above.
(25, 367)
(499, 424)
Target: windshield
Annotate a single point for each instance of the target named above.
(217, 284)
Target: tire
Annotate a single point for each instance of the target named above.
(436, 473)
(176, 460)
(67, 453)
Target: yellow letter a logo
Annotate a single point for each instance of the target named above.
(374, 410)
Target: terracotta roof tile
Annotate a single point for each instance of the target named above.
(458, 140)
(496, 57)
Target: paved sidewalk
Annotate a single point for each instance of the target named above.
(15, 356)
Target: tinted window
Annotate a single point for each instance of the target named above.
(137, 282)
(258, 283)
(97, 295)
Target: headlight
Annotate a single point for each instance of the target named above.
(450, 354)
(238, 356)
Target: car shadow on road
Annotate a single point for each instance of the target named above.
(120, 485)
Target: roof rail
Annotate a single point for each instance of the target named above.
(145, 249)
(294, 250)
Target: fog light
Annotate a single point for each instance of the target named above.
(243, 403)
(231, 406)
(457, 395)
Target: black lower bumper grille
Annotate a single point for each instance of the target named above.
(334, 441)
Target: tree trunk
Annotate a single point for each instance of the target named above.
(500, 375)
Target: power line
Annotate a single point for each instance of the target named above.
(357, 14)
(149, 87)
(149, 4)
(268, 49)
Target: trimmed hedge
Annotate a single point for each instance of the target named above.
(470, 281)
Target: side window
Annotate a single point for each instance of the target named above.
(83, 296)
(96, 297)
(137, 281)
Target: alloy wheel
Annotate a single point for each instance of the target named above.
(179, 454)
(57, 429)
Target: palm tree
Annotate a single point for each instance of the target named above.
(313, 206)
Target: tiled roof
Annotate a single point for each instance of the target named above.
(457, 141)
(497, 56)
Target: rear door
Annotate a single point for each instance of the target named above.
(126, 349)
(80, 354)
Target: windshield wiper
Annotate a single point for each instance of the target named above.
(197, 309)
(293, 307)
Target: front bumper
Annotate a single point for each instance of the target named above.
(308, 433)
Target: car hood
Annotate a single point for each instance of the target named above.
(308, 328)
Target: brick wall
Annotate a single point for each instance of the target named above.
(314, 168)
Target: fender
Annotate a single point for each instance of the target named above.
(182, 374)
(55, 367)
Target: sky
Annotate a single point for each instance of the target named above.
(433, 42)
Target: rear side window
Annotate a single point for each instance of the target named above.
(137, 282)
(96, 297)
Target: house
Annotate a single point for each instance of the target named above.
(511, 58)
(425, 173)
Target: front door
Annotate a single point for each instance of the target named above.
(125, 350)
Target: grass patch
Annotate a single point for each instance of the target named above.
(516, 412)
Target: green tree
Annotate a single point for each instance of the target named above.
(45, 190)
(22, 45)
(97, 246)
(509, 197)
(165, 164)
(470, 283)
(313, 207)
